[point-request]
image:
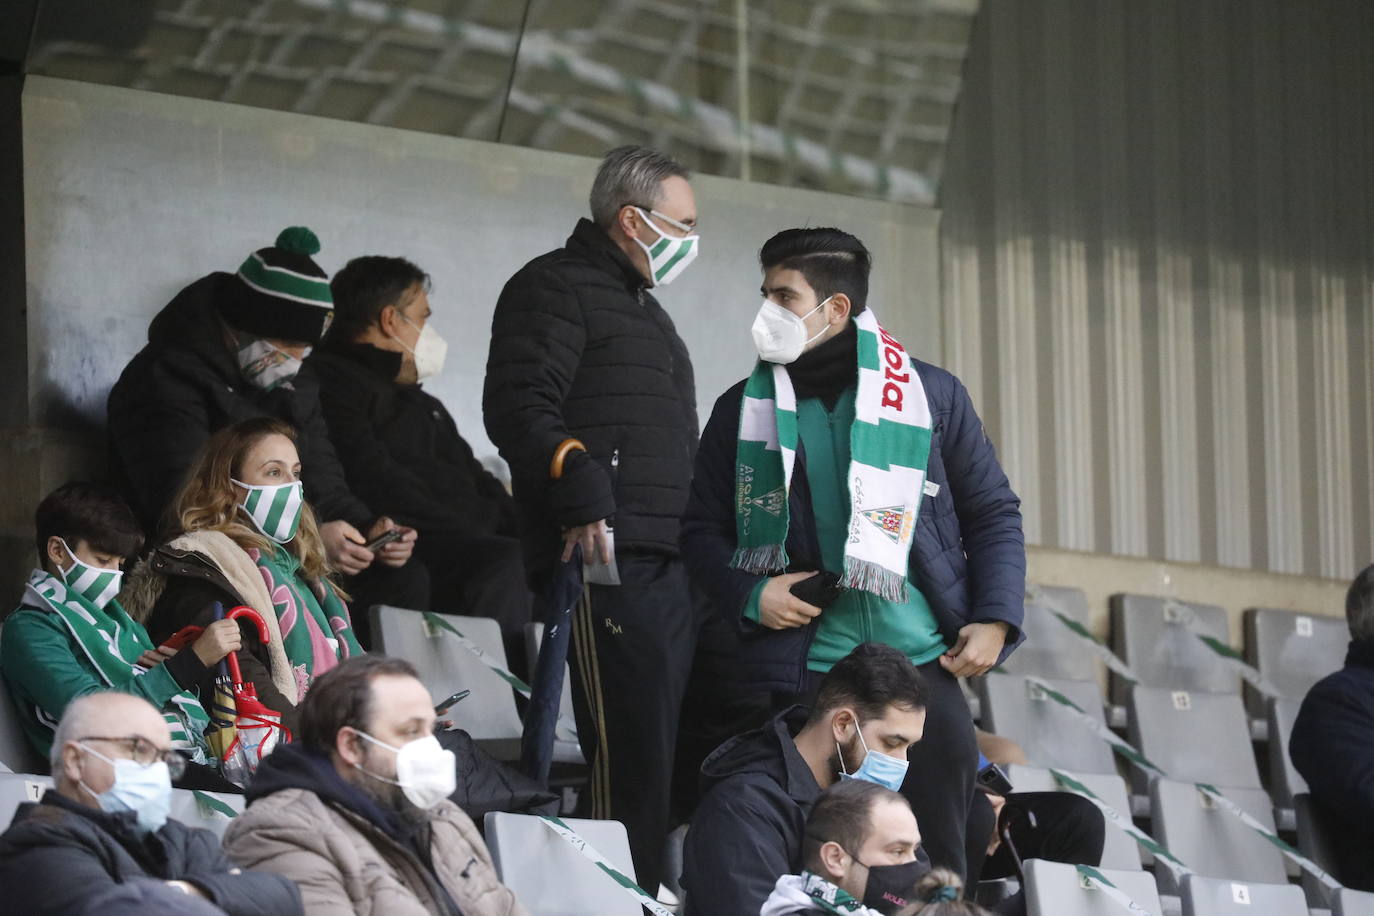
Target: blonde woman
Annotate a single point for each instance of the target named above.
(247, 536)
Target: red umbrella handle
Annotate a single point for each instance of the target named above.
(232, 659)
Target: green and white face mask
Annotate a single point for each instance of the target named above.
(94, 583)
(275, 510)
(670, 255)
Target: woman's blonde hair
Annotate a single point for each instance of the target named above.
(209, 502)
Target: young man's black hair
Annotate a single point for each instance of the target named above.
(870, 678)
(831, 260)
(1359, 605)
(367, 285)
(90, 512)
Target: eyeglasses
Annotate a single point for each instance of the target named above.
(680, 226)
(145, 753)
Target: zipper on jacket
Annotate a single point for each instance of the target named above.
(615, 480)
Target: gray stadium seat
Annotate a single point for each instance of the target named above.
(15, 750)
(1284, 779)
(1317, 838)
(565, 747)
(17, 788)
(489, 713)
(1165, 653)
(1119, 851)
(1198, 737)
(1210, 840)
(193, 812)
(1222, 897)
(1292, 650)
(1050, 735)
(1055, 889)
(1346, 902)
(552, 878)
(1051, 650)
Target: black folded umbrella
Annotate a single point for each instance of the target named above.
(541, 716)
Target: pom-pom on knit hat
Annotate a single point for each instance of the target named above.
(280, 292)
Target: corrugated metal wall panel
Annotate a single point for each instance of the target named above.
(1158, 249)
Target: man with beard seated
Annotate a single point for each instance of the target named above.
(356, 811)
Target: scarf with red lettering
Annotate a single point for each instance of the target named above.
(889, 447)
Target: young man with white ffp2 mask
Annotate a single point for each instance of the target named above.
(401, 449)
(356, 810)
(847, 492)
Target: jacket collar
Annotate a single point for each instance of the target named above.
(386, 364)
(829, 369)
(592, 242)
(801, 782)
(1360, 654)
(291, 766)
(122, 826)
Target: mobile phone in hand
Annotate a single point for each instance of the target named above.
(993, 778)
(386, 537)
(453, 700)
(182, 638)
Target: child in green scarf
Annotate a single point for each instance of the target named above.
(70, 636)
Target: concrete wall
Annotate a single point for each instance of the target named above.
(130, 195)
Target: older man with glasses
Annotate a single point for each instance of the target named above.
(102, 834)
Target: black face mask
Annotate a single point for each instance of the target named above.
(891, 887)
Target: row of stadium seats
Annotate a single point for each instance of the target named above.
(1185, 710)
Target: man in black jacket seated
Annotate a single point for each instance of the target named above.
(228, 348)
(105, 825)
(1333, 743)
(590, 398)
(401, 450)
(759, 787)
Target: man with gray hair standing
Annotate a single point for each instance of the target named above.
(101, 836)
(590, 399)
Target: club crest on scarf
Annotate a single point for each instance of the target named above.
(890, 521)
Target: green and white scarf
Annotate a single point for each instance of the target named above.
(113, 642)
(829, 898)
(889, 447)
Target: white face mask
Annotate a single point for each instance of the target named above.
(425, 772)
(780, 336)
(670, 255)
(429, 353)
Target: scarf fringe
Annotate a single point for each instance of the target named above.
(765, 558)
(874, 578)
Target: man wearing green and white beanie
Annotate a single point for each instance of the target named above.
(229, 348)
(847, 493)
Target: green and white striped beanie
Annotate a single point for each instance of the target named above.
(280, 292)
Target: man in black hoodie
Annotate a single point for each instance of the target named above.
(104, 827)
(229, 348)
(759, 787)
